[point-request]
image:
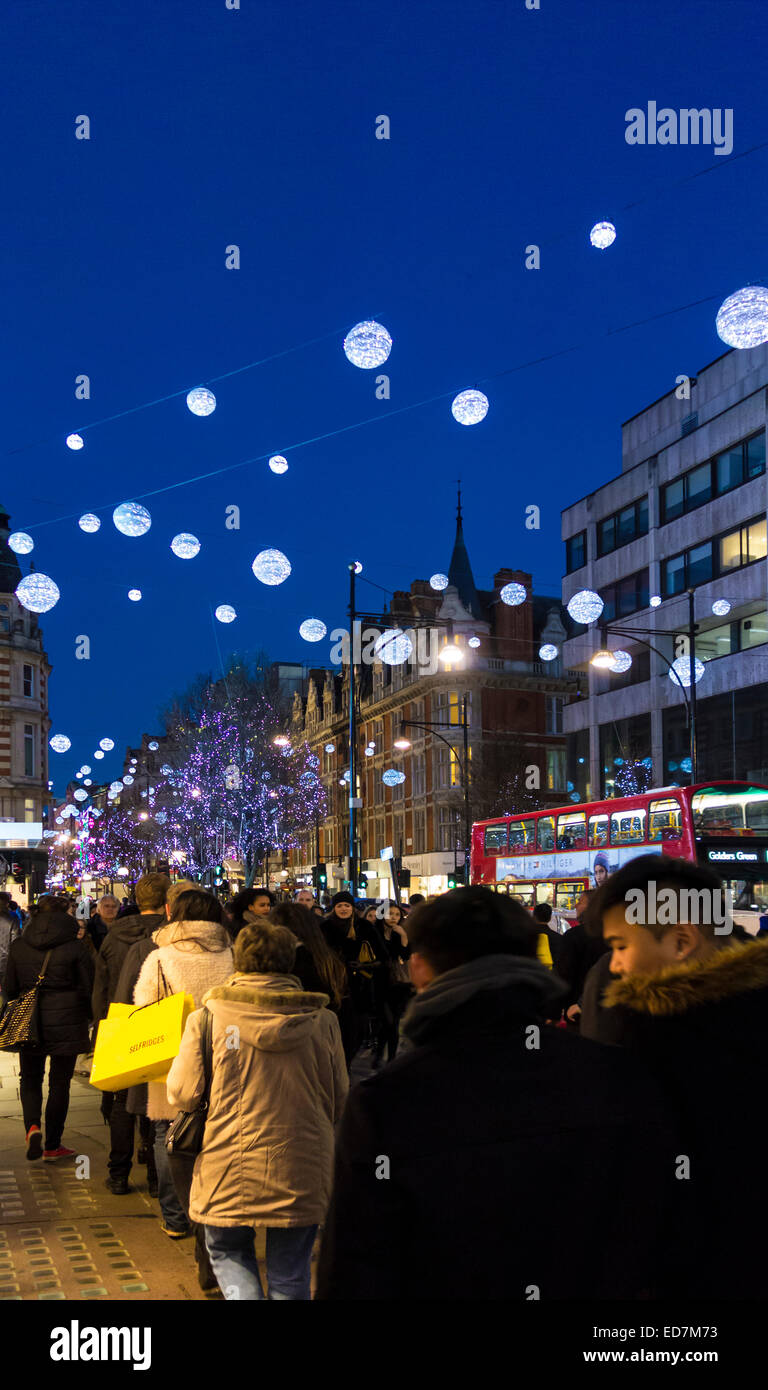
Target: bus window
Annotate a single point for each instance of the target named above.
(598, 831)
(568, 892)
(664, 820)
(571, 830)
(717, 813)
(627, 827)
(545, 893)
(756, 808)
(496, 839)
(522, 893)
(521, 835)
(546, 832)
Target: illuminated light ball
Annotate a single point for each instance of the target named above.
(134, 595)
(548, 652)
(95, 811)
(742, 319)
(439, 582)
(473, 642)
(38, 593)
(271, 567)
(313, 630)
(166, 769)
(621, 662)
(20, 543)
(79, 776)
(81, 794)
(680, 672)
(131, 519)
(59, 820)
(330, 747)
(85, 769)
(128, 780)
(98, 753)
(393, 647)
(368, 344)
(603, 235)
(513, 594)
(686, 765)
(115, 786)
(185, 546)
(575, 796)
(89, 523)
(278, 464)
(369, 752)
(656, 601)
(60, 743)
(107, 744)
(392, 777)
(585, 606)
(161, 817)
(88, 782)
(225, 613)
(357, 566)
(153, 745)
(469, 407)
(721, 607)
(75, 441)
(201, 401)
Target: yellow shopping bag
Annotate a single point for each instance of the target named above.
(139, 1044)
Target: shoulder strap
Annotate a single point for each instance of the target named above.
(206, 1037)
(41, 976)
(161, 976)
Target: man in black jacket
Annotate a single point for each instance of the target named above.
(151, 895)
(447, 1159)
(690, 998)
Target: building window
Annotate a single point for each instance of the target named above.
(738, 464)
(623, 526)
(449, 707)
(419, 832)
(418, 774)
(554, 714)
(399, 834)
(417, 711)
(576, 552)
(29, 750)
(29, 811)
(711, 559)
(627, 596)
(29, 682)
(556, 777)
(378, 788)
(448, 829)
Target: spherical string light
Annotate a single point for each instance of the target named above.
(656, 601)
(134, 595)
(585, 606)
(81, 794)
(721, 607)
(680, 672)
(548, 651)
(439, 582)
(368, 344)
(225, 613)
(21, 543)
(393, 647)
(392, 777)
(153, 745)
(131, 519)
(313, 630)
(98, 753)
(74, 441)
(85, 768)
(513, 594)
(330, 747)
(38, 593)
(107, 744)
(60, 743)
(742, 319)
(89, 523)
(469, 407)
(473, 642)
(621, 662)
(185, 546)
(278, 464)
(271, 567)
(201, 401)
(602, 235)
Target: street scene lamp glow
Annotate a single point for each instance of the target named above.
(278, 464)
(513, 594)
(131, 519)
(271, 567)
(368, 344)
(585, 606)
(438, 582)
(89, 523)
(225, 613)
(469, 407)
(680, 671)
(603, 235)
(402, 742)
(201, 401)
(450, 655)
(38, 593)
(313, 630)
(603, 659)
(742, 319)
(185, 546)
(20, 543)
(281, 741)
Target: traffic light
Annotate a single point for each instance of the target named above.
(18, 873)
(218, 875)
(453, 880)
(319, 875)
(362, 883)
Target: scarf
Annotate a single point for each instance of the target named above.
(487, 973)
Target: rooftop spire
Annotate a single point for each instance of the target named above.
(460, 572)
(10, 571)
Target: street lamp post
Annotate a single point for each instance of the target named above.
(463, 764)
(690, 705)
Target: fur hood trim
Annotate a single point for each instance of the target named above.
(731, 971)
(271, 992)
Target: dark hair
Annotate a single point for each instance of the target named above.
(543, 913)
(243, 900)
(679, 875)
(51, 902)
(467, 923)
(152, 891)
(195, 905)
(128, 909)
(302, 921)
(415, 899)
(262, 948)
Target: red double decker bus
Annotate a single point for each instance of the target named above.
(551, 856)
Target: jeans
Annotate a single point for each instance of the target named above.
(233, 1257)
(172, 1209)
(182, 1169)
(31, 1092)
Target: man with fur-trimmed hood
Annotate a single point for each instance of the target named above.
(689, 995)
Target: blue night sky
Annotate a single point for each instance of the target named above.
(212, 127)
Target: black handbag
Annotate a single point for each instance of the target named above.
(18, 1025)
(185, 1133)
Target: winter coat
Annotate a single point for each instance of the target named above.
(188, 967)
(472, 1121)
(368, 982)
(65, 994)
(267, 1157)
(8, 933)
(96, 930)
(576, 954)
(109, 962)
(702, 1029)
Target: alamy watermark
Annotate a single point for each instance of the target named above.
(707, 125)
(418, 647)
(670, 907)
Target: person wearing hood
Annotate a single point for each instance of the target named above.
(267, 1155)
(193, 953)
(487, 1114)
(63, 1015)
(151, 895)
(360, 946)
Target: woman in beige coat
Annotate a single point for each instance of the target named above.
(278, 1088)
(194, 953)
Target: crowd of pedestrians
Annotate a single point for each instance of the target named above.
(551, 1111)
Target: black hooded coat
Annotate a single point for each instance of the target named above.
(65, 994)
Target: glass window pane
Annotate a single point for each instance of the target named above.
(672, 500)
(664, 820)
(521, 836)
(756, 547)
(606, 535)
(571, 831)
(700, 564)
(567, 893)
(698, 486)
(756, 456)
(642, 517)
(730, 551)
(729, 468)
(576, 551)
(627, 827)
(716, 641)
(673, 575)
(546, 833)
(753, 631)
(626, 526)
(598, 831)
(495, 839)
